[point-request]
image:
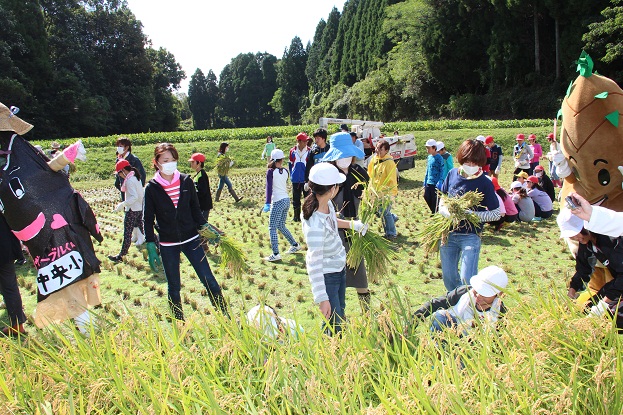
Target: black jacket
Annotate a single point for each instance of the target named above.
(315, 154)
(9, 244)
(174, 224)
(203, 190)
(548, 186)
(610, 253)
(347, 199)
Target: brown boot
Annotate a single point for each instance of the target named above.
(14, 331)
(234, 195)
(218, 194)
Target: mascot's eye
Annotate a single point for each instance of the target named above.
(604, 177)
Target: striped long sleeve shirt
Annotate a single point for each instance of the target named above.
(325, 252)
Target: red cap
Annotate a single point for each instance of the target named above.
(197, 157)
(496, 184)
(488, 139)
(532, 137)
(550, 135)
(121, 164)
(520, 137)
(533, 179)
(539, 168)
(302, 137)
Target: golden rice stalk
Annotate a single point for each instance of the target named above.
(233, 257)
(377, 252)
(438, 227)
(222, 165)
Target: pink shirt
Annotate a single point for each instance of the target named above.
(538, 152)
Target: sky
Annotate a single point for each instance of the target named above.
(207, 34)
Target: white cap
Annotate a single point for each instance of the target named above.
(569, 224)
(325, 174)
(440, 145)
(481, 138)
(489, 281)
(431, 143)
(276, 154)
(516, 185)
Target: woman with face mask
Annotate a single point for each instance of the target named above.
(463, 243)
(343, 154)
(171, 202)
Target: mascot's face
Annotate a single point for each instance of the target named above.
(592, 141)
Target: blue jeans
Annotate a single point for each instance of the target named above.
(171, 263)
(224, 180)
(441, 320)
(463, 249)
(335, 284)
(389, 221)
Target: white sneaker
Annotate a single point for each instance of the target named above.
(140, 239)
(294, 248)
(273, 258)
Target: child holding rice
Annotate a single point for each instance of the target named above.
(326, 256)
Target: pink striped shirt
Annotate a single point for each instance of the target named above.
(173, 188)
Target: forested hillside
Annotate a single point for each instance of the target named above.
(85, 68)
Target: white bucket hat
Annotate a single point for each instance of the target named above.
(569, 224)
(489, 281)
(325, 174)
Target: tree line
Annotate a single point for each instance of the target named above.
(85, 67)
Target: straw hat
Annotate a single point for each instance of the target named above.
(10, 122)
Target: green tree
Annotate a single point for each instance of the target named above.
(292, 82)
(604, 38)
(199, 101)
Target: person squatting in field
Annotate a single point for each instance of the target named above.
(595, 247)
(326, 256)
(171, 203)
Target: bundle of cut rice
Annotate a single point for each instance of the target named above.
(233, 257)
(438, 227)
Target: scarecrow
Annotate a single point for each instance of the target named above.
(592, 146)
(52, 220)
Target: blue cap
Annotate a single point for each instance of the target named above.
(341, 146)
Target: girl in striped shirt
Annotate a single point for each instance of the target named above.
(326, 256)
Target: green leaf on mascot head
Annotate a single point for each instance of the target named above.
(603, 95)
(613, 117)
(559, 114)
(585, 65)
(570, 89)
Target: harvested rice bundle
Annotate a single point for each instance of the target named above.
(438, 226)
(233, 257)
(377, 252)
(223, 163)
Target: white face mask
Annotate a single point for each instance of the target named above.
(168, 168)
(120, 150)
(227, 149)
(343, 163)
(470, 170)
(538, 174)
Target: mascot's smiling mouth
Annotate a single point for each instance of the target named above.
(32, 230)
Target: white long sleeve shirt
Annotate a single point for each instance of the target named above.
(605, 222)
(325, 252)
(134, 194)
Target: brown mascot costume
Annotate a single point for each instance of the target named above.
(53, 221)
(591, 142)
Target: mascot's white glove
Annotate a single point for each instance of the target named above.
(359, 226)
(443, 209)
(600, 309)
(562, 166)
(119, 207)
